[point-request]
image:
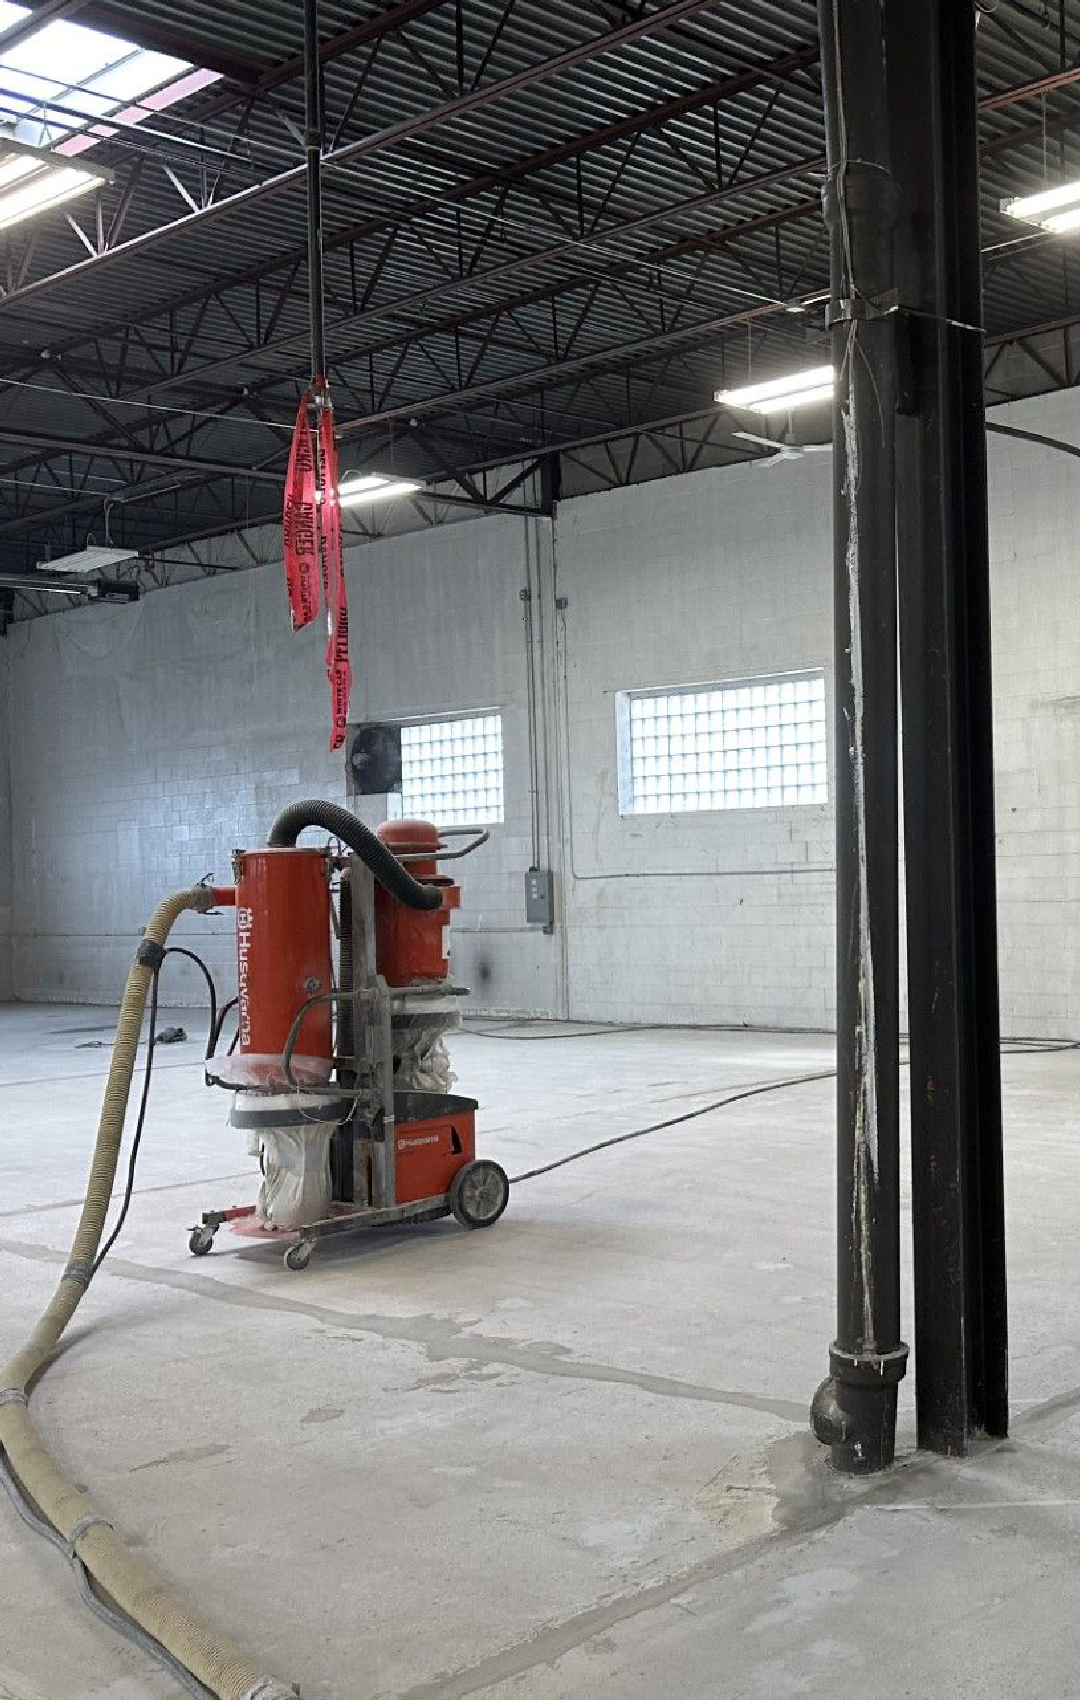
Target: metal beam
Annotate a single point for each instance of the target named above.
(556, 372)
(407, 129)
(957, 1204)
(357, 35)
(521, 169)
(421, 298)
(138, 457)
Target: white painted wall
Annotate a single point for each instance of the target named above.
(147, 742)
(718, 916)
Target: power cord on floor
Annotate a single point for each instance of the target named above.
(510, 1031)
(1009, 1047)
(675, 1121)
(536, 1038)
(151, 1042)
(122, 1625)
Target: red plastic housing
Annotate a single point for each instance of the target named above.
(428, 1154)
(283, 950)
(410, 943)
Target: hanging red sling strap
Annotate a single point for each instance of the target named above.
(312, 546)
(300, 526)
(338, 668)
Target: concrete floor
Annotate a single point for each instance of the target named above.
(567, 1457)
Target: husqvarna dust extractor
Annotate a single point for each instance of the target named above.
(340, 1076)
(341, 1085)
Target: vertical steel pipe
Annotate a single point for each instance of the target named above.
(313, 146)
(854, 1410)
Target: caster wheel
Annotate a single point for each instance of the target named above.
(479, 1193)
(200, 1242)
(298, 1256)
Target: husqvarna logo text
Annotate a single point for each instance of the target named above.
(244, 919)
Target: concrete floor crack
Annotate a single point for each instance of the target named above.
(438, 1337)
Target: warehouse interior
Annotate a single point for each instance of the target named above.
(687, 394)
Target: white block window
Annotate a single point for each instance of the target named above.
(746, 744)
(452, 771)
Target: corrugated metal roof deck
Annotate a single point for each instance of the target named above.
(517, 254)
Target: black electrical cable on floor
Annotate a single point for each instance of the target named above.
(676, 1121)
(536, 1038)
(151, 1042)
(131, 1631)
(1009, 1047)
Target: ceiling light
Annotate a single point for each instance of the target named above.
(40, 581)
(32, 179)
(373, 487)
(16, 166)
(778, 395)
(88, 560)
(1056, 210)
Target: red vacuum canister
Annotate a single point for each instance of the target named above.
(410, 943)
(283, 951)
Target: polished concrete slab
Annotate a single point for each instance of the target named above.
(565, 1457)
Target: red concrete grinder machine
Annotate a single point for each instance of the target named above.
(339, 1071)
(341, 1084)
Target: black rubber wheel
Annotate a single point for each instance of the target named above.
(298, 1256)
(201, 1241)
(479, 1193)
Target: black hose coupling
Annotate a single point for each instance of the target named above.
(854, 1409)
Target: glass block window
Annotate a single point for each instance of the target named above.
(748, 744)
(452, 771)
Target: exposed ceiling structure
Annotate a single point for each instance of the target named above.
(551, 227)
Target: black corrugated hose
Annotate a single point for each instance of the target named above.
(339, 823)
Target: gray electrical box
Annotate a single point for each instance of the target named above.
(540, 897)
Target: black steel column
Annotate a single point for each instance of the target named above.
(854, 1410)
(313, 140)
(957, 1197)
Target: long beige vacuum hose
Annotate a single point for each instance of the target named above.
(140, 1594)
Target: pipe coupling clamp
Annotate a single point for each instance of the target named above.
(13, 1396)
(150, 954)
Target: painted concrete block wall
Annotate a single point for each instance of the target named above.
(712, 916)
(1035, 564)
(730, 917)
(146, 742)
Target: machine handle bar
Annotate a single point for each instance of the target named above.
(447, 855)
(353, 997)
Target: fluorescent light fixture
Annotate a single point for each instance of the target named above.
(40, 581)
(91, 559)
(1056, 210)
(778, 395)
(32, 180)
(373, 487)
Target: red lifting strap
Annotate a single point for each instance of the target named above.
(300, 523)
(338, 669)
(312, 546)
